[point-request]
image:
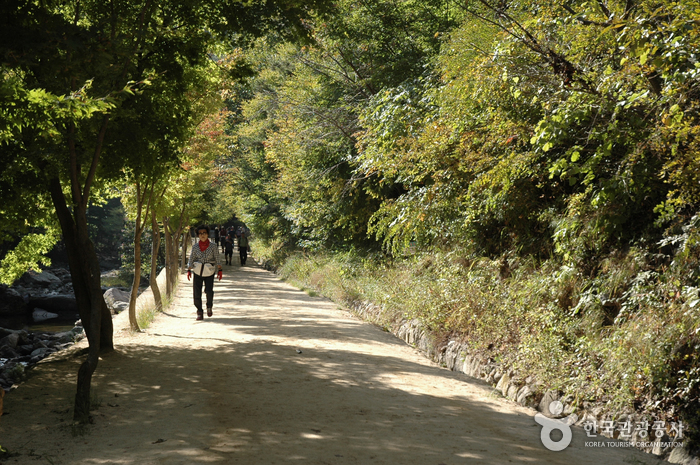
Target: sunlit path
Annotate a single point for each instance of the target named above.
(276, 376)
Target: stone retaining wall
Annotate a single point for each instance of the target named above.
(526, 391)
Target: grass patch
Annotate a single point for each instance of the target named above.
(115, 281)
(146, 314)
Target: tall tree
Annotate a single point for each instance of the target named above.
(73, 68)
(298, 121)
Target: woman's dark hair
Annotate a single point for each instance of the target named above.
(204, 227)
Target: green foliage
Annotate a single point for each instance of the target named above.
(106, 225)
(28, 254)
(539, 141)
(296, 158)
(126, 253)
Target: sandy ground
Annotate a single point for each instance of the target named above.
(275, 376)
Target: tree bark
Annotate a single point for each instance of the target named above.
(185, 243)
(170, 244)
(137, 280)
(85, 276)
(155, 248)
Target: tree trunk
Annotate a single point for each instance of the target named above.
(137, 276)
(172, 255)
(155, 248)
(85, 276)
(170, 244)
(185, 244)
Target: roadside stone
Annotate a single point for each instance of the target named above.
(503, 383)
(115, 294)
(658, 449)
(681, 455)
(548, 398)
(523, 394)
(512, 392)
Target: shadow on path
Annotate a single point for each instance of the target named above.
(277, 376)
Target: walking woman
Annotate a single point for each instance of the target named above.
(204, 261)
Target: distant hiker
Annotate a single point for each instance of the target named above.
(204, 261)
(243, 247)
(228, 244)
(216, 236)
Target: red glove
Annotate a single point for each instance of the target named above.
(221, 274)
(189, 274)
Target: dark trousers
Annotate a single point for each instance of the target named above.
(208, 290)
(243, 252)
(229, 255)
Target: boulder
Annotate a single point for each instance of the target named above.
(682, 456)
(40, 279)
(119, 307)
(11, 340)
(11, 303)
(523, 394)
(117, 299)
(547, 399)
(70, 336)
(43, 351)
(8, 352)
(115, 294)
(64, 305)
(39, 315)
(503, 383)
(63, 274)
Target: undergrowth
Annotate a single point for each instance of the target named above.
(146, 314)
(627, 336)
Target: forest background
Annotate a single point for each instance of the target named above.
(519, 176)
(522, 176)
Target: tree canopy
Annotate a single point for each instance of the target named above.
(91, 91)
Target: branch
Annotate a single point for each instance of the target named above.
(604, 9)
(95, 160)
(558, 62)
(74, 172)
(587, 22)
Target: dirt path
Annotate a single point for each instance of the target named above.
(235, 389)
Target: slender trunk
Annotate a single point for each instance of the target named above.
(138, 229)
(172, 237)
(137, 278)
(85, 276)
(170, 244)
(185, 244)
(144, 198)
(155, 248)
